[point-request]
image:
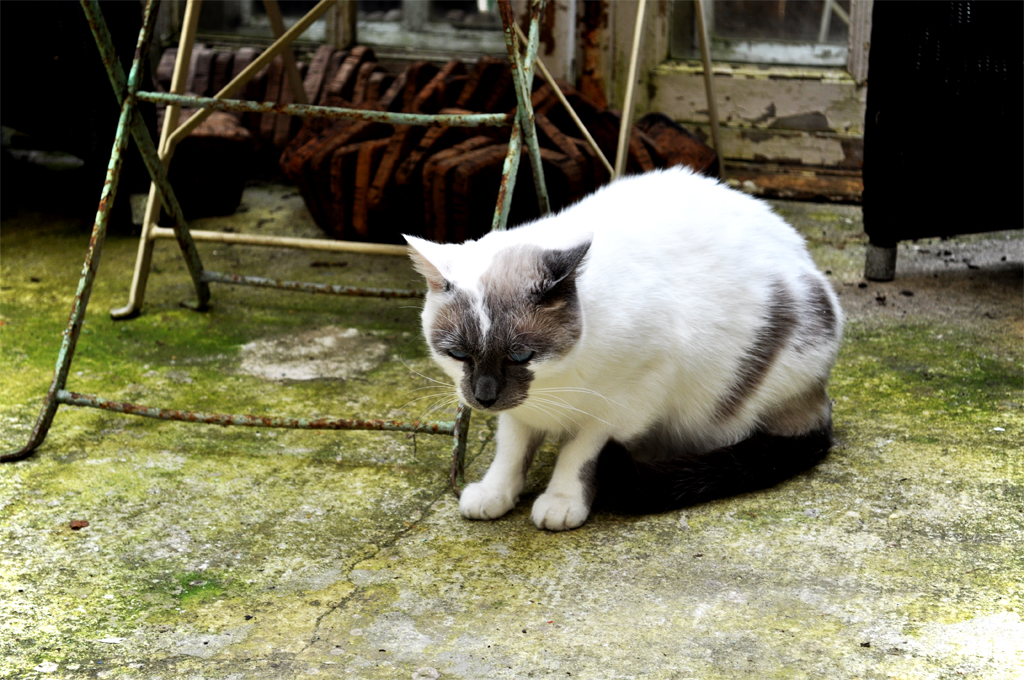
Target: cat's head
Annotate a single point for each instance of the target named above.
(496, 317)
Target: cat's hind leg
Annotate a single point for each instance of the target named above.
(498, 492)
(566, 502)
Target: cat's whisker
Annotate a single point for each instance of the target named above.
(567, 405)
(425, 377)
(581, 390)
(447, 403)
(536, 408)
(426, 396)
(565, 409)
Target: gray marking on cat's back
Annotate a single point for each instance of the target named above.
(769, 340)
(821, 321)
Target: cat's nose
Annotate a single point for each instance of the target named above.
(486, 391)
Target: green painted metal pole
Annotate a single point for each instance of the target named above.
(92, 258)
(457, 476)
(508, 178)
(144, 142)
(312, 111)
(522, 75)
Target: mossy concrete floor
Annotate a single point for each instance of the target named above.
(240, 553)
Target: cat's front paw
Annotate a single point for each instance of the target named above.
(483, 502)
(558, 513)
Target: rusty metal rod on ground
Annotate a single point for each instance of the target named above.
(225, 419)
(262, 282)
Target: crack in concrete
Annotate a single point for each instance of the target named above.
(314, 636)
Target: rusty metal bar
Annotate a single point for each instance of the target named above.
(92, 258)
(310, 110)
(156, 168)
(457, 473)
(447, 427)
(262, 282)
(289, 242)
(522, 76)
(508, 179)
(568, 107)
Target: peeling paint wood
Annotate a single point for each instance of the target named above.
(763, 98)
(821, 149)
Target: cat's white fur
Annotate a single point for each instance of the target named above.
(673, 290)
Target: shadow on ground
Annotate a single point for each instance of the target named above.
(241, 553)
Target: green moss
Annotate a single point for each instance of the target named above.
(218, 551)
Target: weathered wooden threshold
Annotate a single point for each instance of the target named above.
(798, 182)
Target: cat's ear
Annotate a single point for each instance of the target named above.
(430, 261)
(565, 263)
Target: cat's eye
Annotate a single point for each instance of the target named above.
(458, 354)
(520, 357)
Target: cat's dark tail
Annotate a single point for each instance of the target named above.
(627, 485)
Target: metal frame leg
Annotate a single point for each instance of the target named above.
(99, 232)
(143, 260)
(127, 90)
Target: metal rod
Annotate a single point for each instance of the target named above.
(99, 232)
(287, 55)
(457, 473)
(709, 84)
(156, 168)
(252, 69)
(262, 282)
(626, 124)
(289, 242)
(225, 419)
(826, 21)
(509, 172)
(522, 76)
(144, 257)
(310, 110)
(568, 108)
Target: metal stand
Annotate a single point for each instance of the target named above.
(129, 123)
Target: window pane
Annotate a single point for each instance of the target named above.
(798, 32)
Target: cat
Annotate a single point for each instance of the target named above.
(673, 333)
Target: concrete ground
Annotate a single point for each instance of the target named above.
(242, 553)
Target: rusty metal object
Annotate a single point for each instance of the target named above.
(443, 182)
(432, 427)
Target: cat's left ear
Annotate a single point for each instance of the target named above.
(561, 264)
(430, 261)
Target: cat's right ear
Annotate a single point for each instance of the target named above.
(429, 260)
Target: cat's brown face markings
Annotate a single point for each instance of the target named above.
(532, 314)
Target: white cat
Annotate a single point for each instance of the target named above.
(675, 324)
